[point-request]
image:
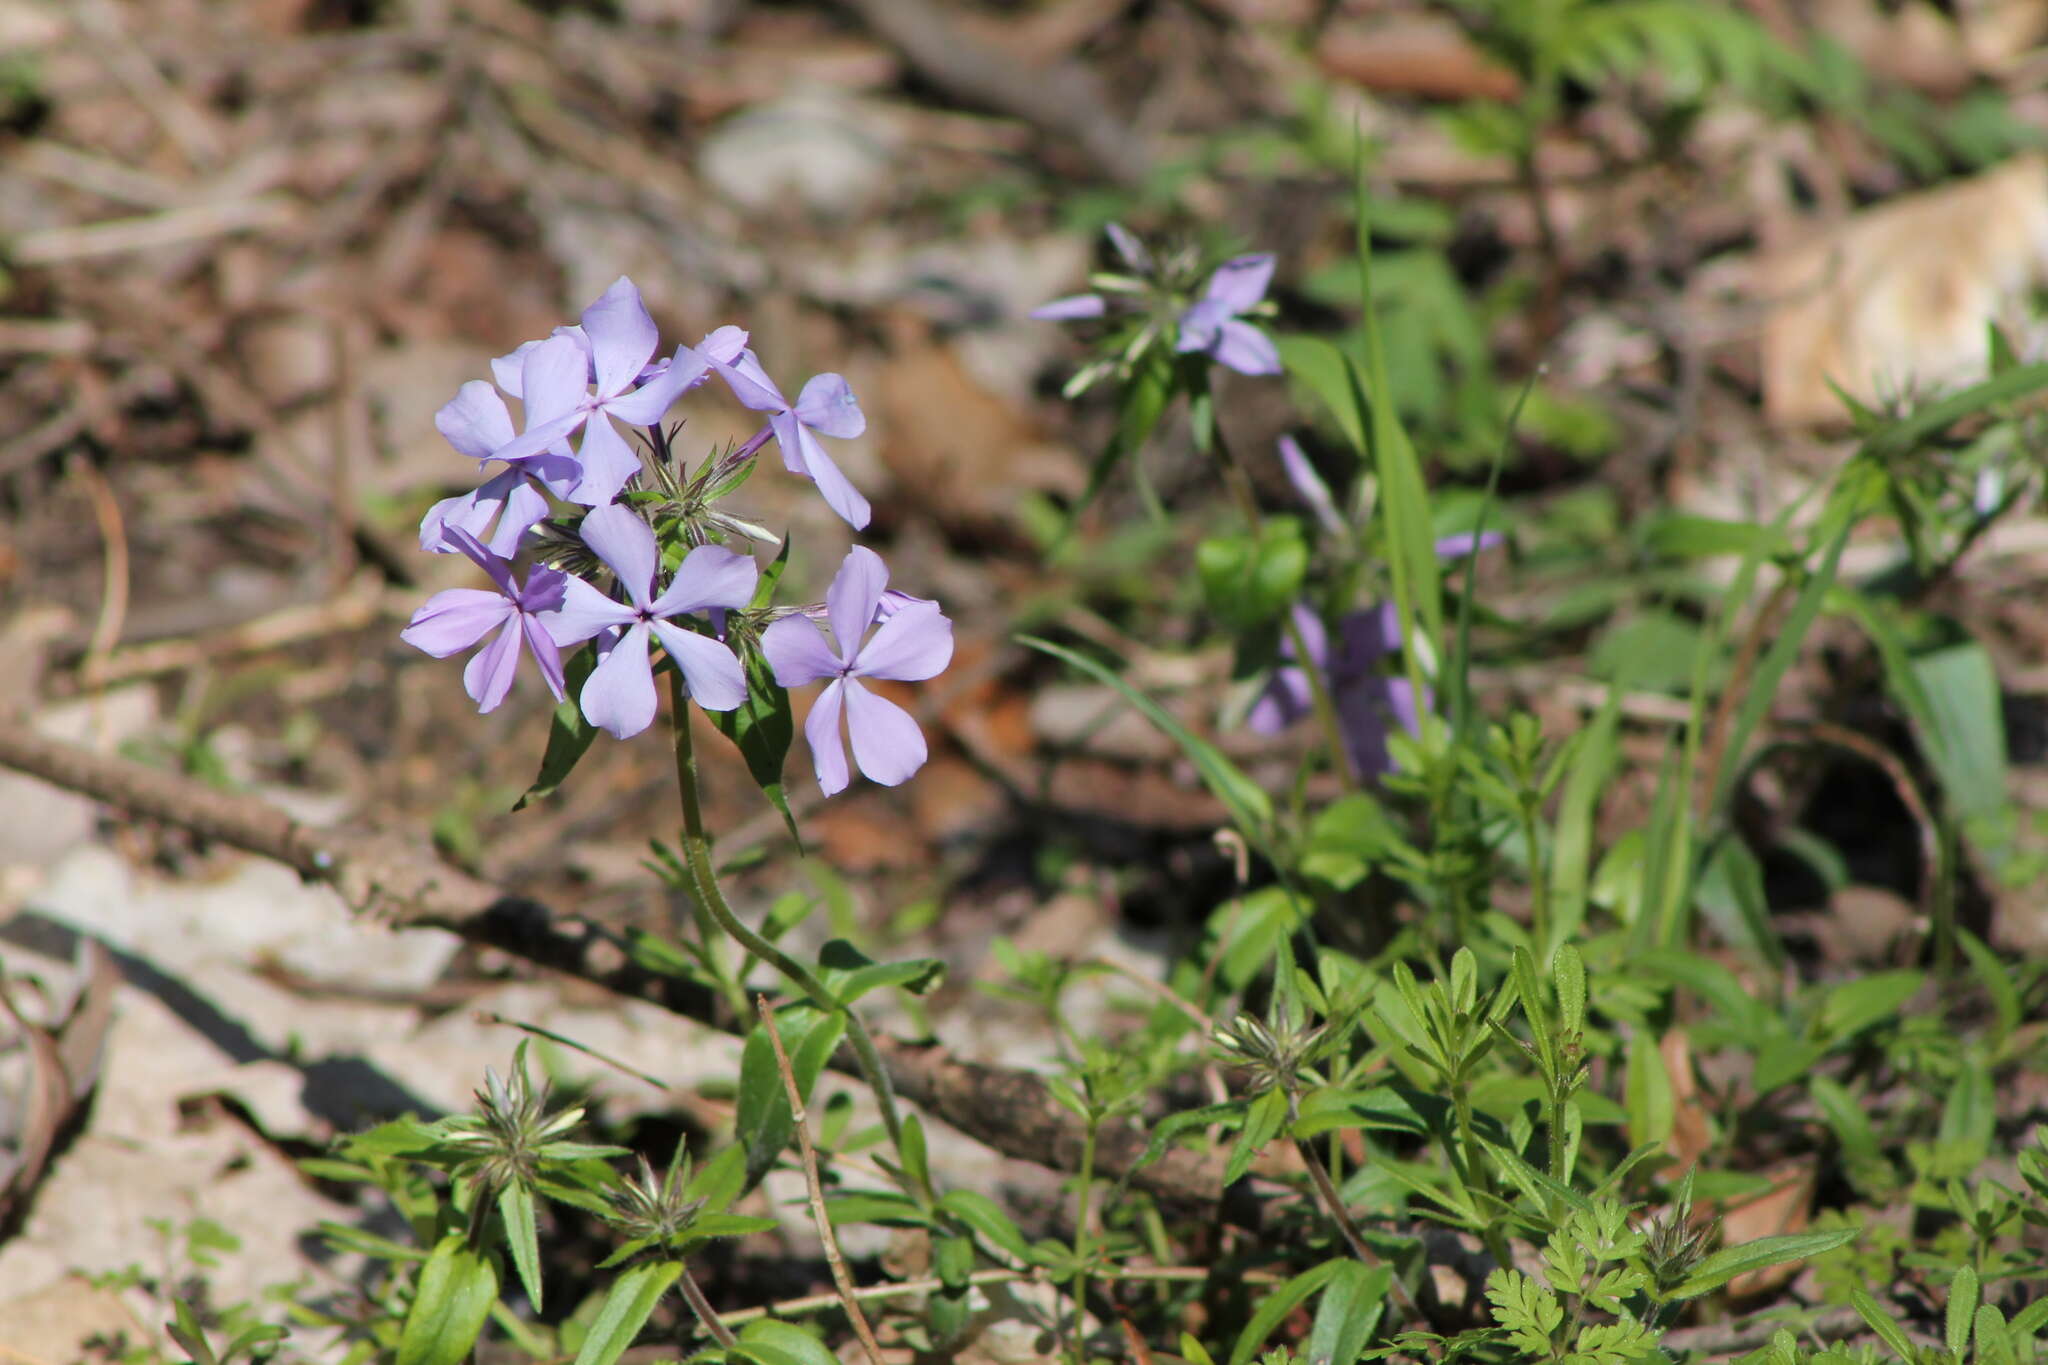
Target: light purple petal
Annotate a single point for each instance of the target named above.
(622, 336)
(462, 511)
(895, 600)
(1199, 326)
(851, 600)
(1283, 701)
(545, 653)
(1241, 282)
(488, 677)
(1362, 716)
(837, 490)
(538, 445)
(1463, 543)
(709, 576)
(828, 407)
(545, 590)
(1309, 485)
(1072, 308)
(509, 369)
(609, 463)
(912, 645)
(473, 550)
(475, 421)
(451, 621)
(723, 345)
(886, 741)
(522, 506)
(1400, 700)
(796, 649)
(751, 384)
(617, 536)
(619, 697)
(821, 732)
(556, 380)
(583, 613)
(1130, 248)
(710, 670)
(789, 439)
(1244, 348)
(1312, 634)
(647, 404)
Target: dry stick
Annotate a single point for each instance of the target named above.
(106, 510)
(403, 882)
(840, 1275)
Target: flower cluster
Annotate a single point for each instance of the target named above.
(629, 552)
(1159, 298)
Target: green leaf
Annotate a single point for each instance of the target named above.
(707, 1226)
(1351, 1307)
(1528, 1311)
(764, 1123)
(569, 734)
(914, 1154)
(1249, 806)
(1931, 419)
(1997, 1344)
(1996, 978)
(761, 728)
(849, 973)
(515, 1208)
(1682, 536)
(1568, 972)
(1857, 1005)
(1725, 1264)
(769, 1342)
(1263, 1121)
(720, 1180)
(1881, 1323)
(986, 1217)
(1652, 1107)
(1970, 1114)
(627, 1305)
(1320, 367)
(885, 1208)
(1275, 1307)
(1962, 1310)
(457, 1287)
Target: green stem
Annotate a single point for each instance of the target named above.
(697, 855)
(1082, 1248)
(704, 1311)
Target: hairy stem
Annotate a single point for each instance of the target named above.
(699, 1305)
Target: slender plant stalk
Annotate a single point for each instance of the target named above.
(840, 1276)
(1082, 1249)
(1539, 880)
(697, 855)
(694, 1296)
(810, 1303)
(1333, 1205)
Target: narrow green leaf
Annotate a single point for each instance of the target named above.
(761, 728)
(1568, 973)
(1351, 1306)
(1997, 1343)
(627, 1305)
(764, 1123)
(1725, 1264)
(849, 973)
(1247, 802)
(1586, 781)
(1962, 1310)
(457, 1287)
(1263, 1121)
(1275, 1307)
(782, 1343)
(1996, 978)
(515, 1209)
(1652, 1107)
(913, 1152)
(986, 1217)
(1881, 1323)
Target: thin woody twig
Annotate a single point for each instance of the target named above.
(840, 1275)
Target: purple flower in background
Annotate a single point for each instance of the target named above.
(1309, 485)
(1364, 696)
(1078, 306)
(619, 696)
(456, 619)
(915, 642)
(478, 425)
(1212, 324)
(555, 380)
(825, 405)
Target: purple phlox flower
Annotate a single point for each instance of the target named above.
(1077, 306)
(1364, 696)
(1309, 485)
(557, 375)
(456, 619)
(619, 696)
(1464, 543)
(914, 643)
(478, 425)
(1213, 325)
(719, 347)
(826, 405)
